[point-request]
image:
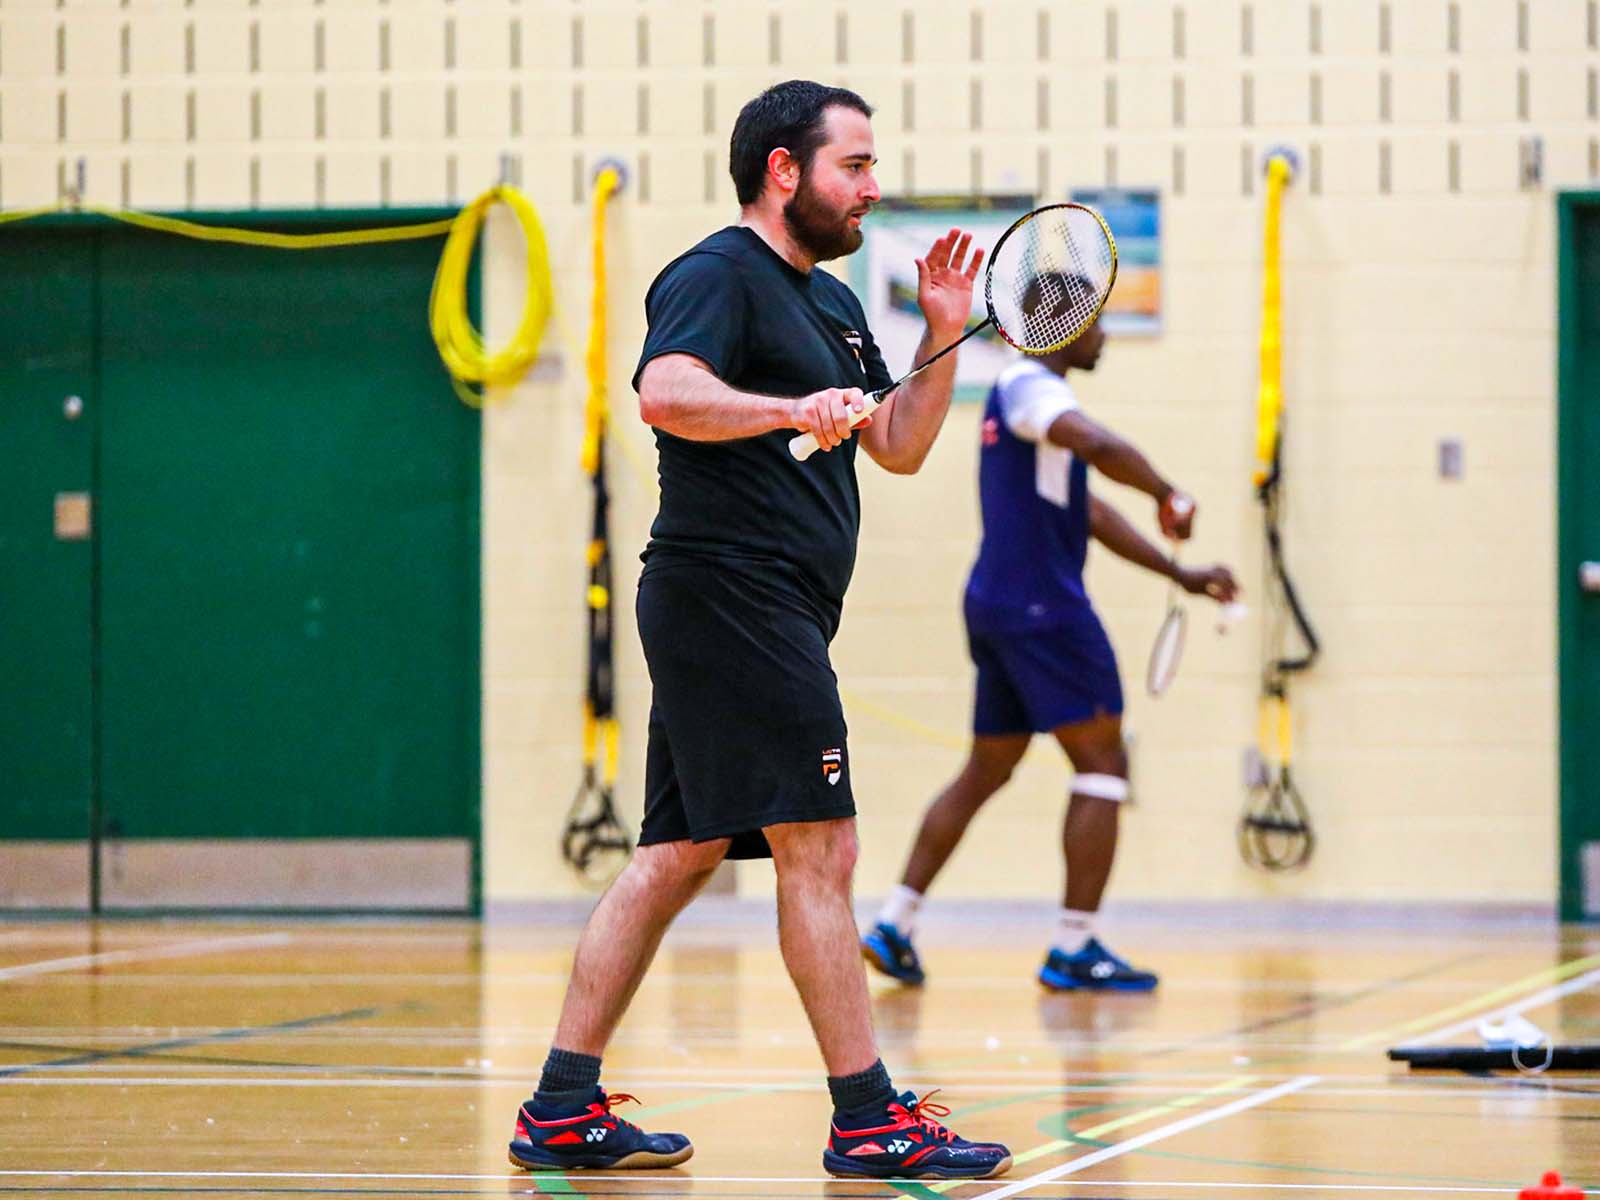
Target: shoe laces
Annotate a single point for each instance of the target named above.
(612, 1099)
(1100, 952)
(923, 1112)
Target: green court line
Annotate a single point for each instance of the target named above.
(1066, 1136)
(1145, 1113)
(701, 1101)
(1553, 975)
(925, 1191)
(1015, 1098)
(921, 1191)
(153, 1050)
(1238, 1083)
(552, 1185)
(656, 1110)
(1321, 1004)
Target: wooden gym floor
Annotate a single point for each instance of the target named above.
(324, 1058)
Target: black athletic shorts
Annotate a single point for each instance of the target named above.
(746, 729)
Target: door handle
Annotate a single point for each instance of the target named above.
(1589, 577)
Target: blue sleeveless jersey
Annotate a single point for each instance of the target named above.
(1035, 500)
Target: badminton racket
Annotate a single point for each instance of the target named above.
(1046, 282)
(1167, 651)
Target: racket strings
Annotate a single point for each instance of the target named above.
(1048, 280)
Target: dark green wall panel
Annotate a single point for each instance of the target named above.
(290, 618)
(1579, 441)
(46, 713)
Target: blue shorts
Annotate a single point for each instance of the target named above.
(1031, 681)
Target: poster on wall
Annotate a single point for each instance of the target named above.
(883, 275)
(1135, 220)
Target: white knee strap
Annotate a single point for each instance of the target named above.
(1104, 787)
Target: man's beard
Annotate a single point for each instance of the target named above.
(819, 230)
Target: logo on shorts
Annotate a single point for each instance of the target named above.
(991, 432)
(832, 766)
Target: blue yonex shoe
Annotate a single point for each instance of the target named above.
(891, 952)
(905, 1142)
(562, 1141)
(1095, 969)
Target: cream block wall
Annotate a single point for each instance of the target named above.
(1419, 305)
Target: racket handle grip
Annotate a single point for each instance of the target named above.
(805, 445)
(1178, 506)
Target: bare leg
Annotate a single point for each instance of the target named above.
(989, 764)
(1089, 833)
(622, 935)
(817, 933)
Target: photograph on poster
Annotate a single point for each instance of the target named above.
(883, 275)
(1134, 216)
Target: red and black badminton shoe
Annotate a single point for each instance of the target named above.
(551, 1139)
(906, 1142)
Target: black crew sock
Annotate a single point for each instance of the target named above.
(568, 1080)
(866, 1091)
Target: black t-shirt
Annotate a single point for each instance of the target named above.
(762, 327)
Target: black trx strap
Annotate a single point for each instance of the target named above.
(594, 841)
(1275, 832)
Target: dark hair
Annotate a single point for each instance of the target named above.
(1054, 286)
(786, 114)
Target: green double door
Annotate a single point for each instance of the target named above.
(1578, 555)
(239, 581)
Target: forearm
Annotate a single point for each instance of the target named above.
(915, 413)
(689, 402)
(1112, 530)
(1124, 463)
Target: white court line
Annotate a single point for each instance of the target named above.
(692, 1180)
(1158, 1134)
(1538, 1000)
(1432, 1189)
(171, 950)
(797, 1037)
(1023, 1056)
(661, 980)
(662, 977)
(48, 1078)
(713, 1078)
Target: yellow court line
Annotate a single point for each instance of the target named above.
(901, 722)
(1554, 975)
(1134, 1118)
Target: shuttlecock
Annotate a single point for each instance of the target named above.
(1513, 1033)
(1230, 614)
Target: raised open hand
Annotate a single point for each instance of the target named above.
(944, 284)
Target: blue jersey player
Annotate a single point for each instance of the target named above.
(1044, 663)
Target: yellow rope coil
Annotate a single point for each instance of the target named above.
(460, 344)
(1269, 401)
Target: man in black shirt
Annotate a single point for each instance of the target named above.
(741, 593)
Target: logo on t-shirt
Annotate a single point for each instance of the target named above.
(991, 432)
(832, 766)
(852, 339)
